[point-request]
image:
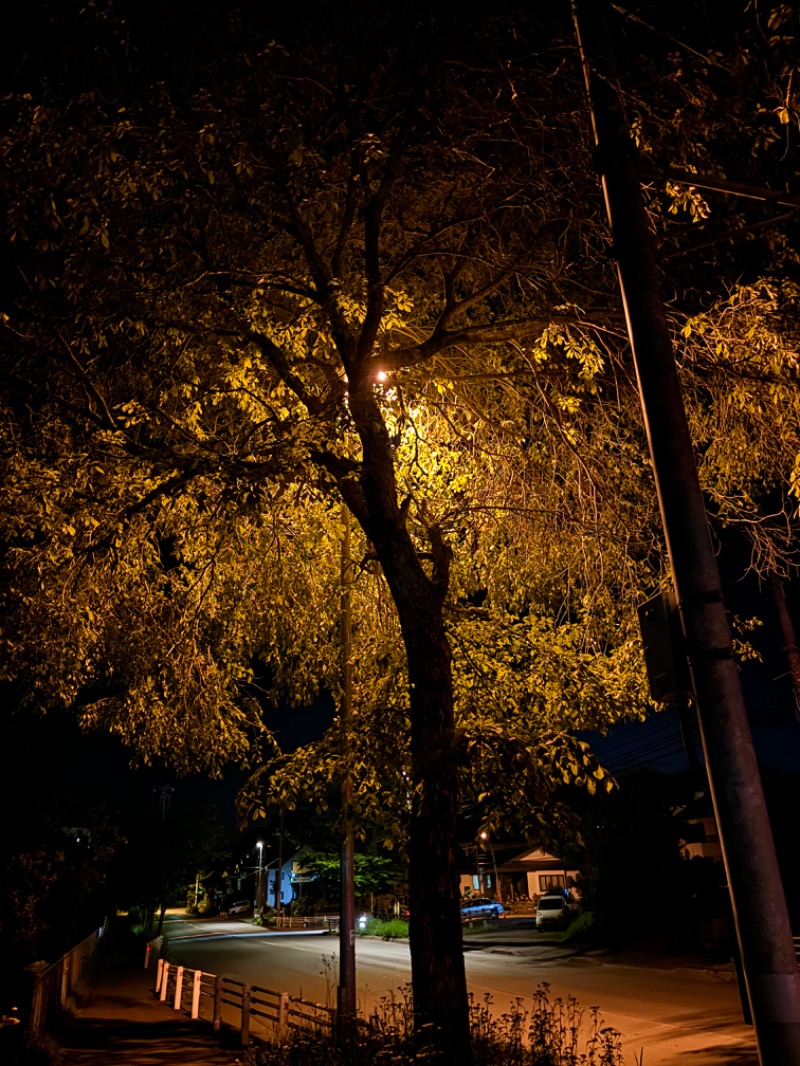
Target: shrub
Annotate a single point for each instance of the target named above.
(393, 929)
(265, 918)
(581, 928)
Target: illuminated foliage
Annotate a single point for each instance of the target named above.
(258, 274)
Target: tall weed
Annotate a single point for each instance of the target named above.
(536, 1032)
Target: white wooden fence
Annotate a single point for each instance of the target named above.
(257, 1012)
(316, 921)
(53, 987)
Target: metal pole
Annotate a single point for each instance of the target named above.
(279, 881)
(260, 846)
(498, 892)
(759, 905)
(347, 947)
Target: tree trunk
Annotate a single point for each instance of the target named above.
(441, 1004)
(437, 959)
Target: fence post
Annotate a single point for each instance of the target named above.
(283, 1012)
(245, 1022)
(64, 983)
(217, 1001)
(36, 1019)
(176, 1003)
(198, 977)
(164, 982)
(159, 975)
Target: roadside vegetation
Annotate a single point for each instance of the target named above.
(391, 929)
(537, 1032)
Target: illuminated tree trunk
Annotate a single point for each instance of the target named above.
(437, 961)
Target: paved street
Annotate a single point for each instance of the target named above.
(670, 1010)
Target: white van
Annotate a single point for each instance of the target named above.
(552, 911)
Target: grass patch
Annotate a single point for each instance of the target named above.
(393, 929)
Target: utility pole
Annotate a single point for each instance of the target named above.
(347, 947)
(165, 796)
(498, 891)
(759, 905)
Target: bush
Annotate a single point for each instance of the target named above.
(265, 918)
(393, 929)
(581, 928)
(542, 1033)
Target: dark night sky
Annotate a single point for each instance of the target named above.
(768, 694)
(47, 761)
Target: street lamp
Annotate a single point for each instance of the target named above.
(260, 846)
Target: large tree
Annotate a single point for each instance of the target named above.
(258, 271)
(220, 271)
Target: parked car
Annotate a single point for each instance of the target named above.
(562, 893)
(242, 907)
(481, 907)
(552, 910)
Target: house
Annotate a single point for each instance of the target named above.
(244, 881)
(704, 842)
(294, 876)
(536, 872)
(511, 874)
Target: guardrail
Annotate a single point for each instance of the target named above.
(252, 1009)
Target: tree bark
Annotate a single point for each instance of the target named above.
(437, 960)
(441, 1004)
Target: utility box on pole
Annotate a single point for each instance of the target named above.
(664, 647)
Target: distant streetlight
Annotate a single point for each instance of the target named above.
(260, 846)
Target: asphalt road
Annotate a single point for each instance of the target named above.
(666, 1012)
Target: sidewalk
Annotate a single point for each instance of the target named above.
(118, 1019)
(512, 937)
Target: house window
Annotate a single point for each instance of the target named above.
(547, 882)
(482, 883)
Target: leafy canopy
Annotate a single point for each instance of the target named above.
(212, 258)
